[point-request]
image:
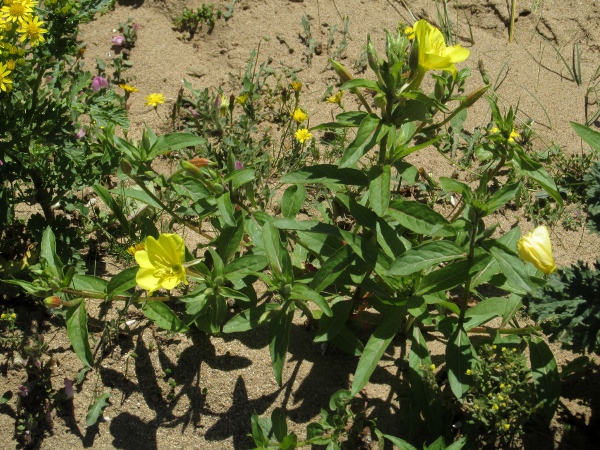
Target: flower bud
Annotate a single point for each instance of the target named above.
(536, 248)
(199, 162)
(126, 167)
(341, 72)
(53, 302)
(474, 96)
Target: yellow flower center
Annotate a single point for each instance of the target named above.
(33, 30)
(17, 10)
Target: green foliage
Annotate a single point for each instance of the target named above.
(592, 180)
(567, 307)
(191, 21)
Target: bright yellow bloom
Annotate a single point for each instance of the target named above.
(507, 426)
(494, 130)
(409, 32)
(136, 248)
(13, 316)
(32, 28)
(502, 386)
(128, 89)
(495, 407)
(3, 316)
(241, 99)
(303, 135)
(337, 98)
(155, 99)
(469, 371)
(536, 248)
(161, 263)
(433, 52)
(5, 81)
(299, 116)
(18, 11)
(513, 135)
(296, 86)
(432, 367)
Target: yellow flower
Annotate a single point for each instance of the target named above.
(432, 367)
(409, 32)
(502, 386)
(500, 398)
(155, 99)
(469, 372)
(495, 407)
(299, 116)
(433, 52)
(494, 130)
(507, 426)
(161, 263)
(513, 135)
(296, 86)
(536, 248)
(302, 135)
(128, 89)
(241, 99)
(11, 64)
(337, 98)
(5, 81)
(18, 11)
(32, 29)
(136, 248)
(13, 316)
(3, 316)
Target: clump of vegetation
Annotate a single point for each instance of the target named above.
(191, 21)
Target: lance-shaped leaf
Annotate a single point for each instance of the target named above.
(52, 263)
(226, 209)
(326, 174)
(545, 374)
(329, 327)
(376, 345)
(332, 268)
(455, 273)
(367, 137)
(279, 338)
(592, 137)
(78, 332)
(379, 189)
(293, 200)
(163, 316)
(279, 258)
(122, 282)
(229, 241)
(302, 292)
(460, 356)
(250, 318)
(534, 170)
(425, 256)
(513, 268)
(420, 218)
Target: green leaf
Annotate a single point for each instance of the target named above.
(293, 200)
(455, 273)
(52, 262)
(360, 83)
(379, 189)
(113, 205)
(226, 209)
(502, 196)
(376, 345)
(534, 170)
(459, 358)
(369, 253)
(229, 241)
(331, 269)
(302, 292)
(241, 177)
(366, 139)
(347, 342)
(592, 137)
(89, 283)
(425, 256)
(484, 311)
(451, 185)
(400, 443)
(174, 141)
(78, 333)
(279, 337)
(420, 218)
(326, 173)
(122, 282)
(422, 392)
(513, 269)
(250, 318)
(30, 288)
(280, 429)
(241, 267)
(163, 316)
(6, 397)
(545, 374)
(95, 409)
(278, 256)
(330, 326)
(259, 437)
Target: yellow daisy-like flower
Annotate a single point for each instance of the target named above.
(136, 248)
(337, 98)
(409, 32)
(32, 28)
(536, 248)
(494, 130)
(513, 135)
(128, 89)
(161, 263)
(296, 86)
(11, 64)
(299, 116)
(17, 10)
(433, 52)
(303, 135)
(155, 99)
(5, 81)
(241, 99)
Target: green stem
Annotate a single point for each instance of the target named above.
(99, 296)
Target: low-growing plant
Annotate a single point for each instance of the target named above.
(191, 21)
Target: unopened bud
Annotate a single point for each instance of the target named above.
(53, 302)
(341, 71)
(380, 101)
(475, 95)
(373, 58)
(199, 162)
(126, 167)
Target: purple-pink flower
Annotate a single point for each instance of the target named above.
(193, 113)
(99, 83)
(69, 392)
(80, 134)
(118, 40)
(238, 165)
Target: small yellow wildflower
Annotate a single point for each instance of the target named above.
(502, 386)
(503, 405)
(296, 86)
(432, 367)
(241, 99)
(337, 98)
(128, 89)
(494, 347)
(13, 316)
(500, 398)
(507, 426)
(469, 372)
(503, 349)
(495, 407)
(514, 350)
(5, 81)
(494, 130)
(32, 29)
(299, 116)
(11, 64)
(3, 316)
(434, 54)
(154, 100)
(513, 135)
(409, 32)
(303, 135)
(17, 11)
(136, 248)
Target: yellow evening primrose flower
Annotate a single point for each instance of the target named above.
(161, 263)
(433, 52)
(32, 28)
(128, 89)
(17, 11)
(154, 100)
(303, 135)
(5, 81)
(299, 116)
(536, 248)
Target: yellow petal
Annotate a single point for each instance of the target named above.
(141, 256)
(146, 280)
(536, 248)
